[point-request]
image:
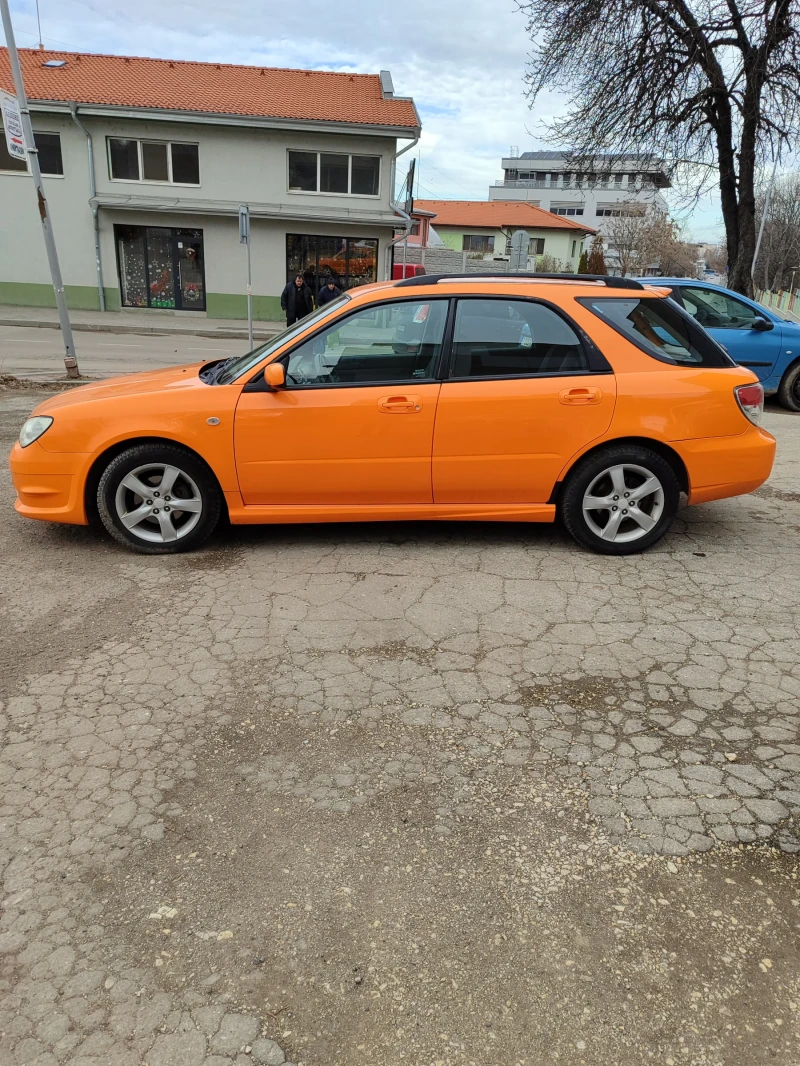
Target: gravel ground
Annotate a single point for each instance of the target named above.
(424, 795)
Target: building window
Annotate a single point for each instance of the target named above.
(566, 210)
(574, 247)
(50, 161)
(621, 212)
(356, 175)
(160, 267)
(157, 161)
(536, 246)
(477, 244)
(414, 231)
(347, 261)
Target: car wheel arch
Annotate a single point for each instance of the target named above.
(657, 446)
(101, 461)
(789, 369)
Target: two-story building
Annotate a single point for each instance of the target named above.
(146, 162)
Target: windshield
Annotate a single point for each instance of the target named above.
(231, 369)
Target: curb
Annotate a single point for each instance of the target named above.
(174, 331)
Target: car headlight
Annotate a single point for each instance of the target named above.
(33, 429)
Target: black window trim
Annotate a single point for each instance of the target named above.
(258, 384)
(695, 331)
(596, 362)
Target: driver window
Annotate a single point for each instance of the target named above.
(717, 310)
(394, 342)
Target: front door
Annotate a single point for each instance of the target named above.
(520, 401)
(354, 425)
(730, 320)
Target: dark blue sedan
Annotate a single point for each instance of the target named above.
(753, 335)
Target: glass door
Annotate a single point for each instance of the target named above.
(191, 277)
(132, 269)
(160, 268)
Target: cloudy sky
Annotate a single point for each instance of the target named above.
(463, 61)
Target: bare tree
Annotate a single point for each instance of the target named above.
(647, 240)
(715, 84)
(717, 258)
(779, 255)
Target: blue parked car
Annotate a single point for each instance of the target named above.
(754, 336)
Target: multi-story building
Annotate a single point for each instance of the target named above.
(146, 163)
(611, 185)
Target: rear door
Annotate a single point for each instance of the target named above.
(729, 319)
(520, 400)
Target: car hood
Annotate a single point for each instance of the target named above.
(149, 381)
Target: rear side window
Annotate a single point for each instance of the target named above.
(660, 328)
(512, 338)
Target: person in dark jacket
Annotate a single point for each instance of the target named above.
(328, 292)
(297, 300)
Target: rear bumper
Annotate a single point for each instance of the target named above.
(720, 467)
(49, 484)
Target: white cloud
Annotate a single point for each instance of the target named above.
(463, 61)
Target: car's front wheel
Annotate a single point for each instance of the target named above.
(159, 499)
(620, 500)
(789, 389)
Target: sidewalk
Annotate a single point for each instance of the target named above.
(152, 322)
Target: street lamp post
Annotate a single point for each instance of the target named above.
(70, 359)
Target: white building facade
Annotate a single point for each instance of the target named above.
(611, 185)
(146, 163)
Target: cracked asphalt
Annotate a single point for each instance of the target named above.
(439, 795)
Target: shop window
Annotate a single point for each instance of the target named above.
(348, 261)
(161, 267)
(162, 161)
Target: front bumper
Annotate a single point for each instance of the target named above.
(720, 467)
(49, 484)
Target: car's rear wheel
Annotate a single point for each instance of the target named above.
(789, 389)
(620, 500)
(159, 499)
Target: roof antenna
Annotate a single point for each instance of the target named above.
(39, 22)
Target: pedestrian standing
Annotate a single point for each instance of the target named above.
(328, 292)
(297, 300)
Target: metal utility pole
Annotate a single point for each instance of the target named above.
(244, 238)
(764, 216)
(70, 359)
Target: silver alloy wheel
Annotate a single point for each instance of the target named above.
(158, 502)
(623, 503)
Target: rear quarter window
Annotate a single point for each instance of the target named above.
(660, 328)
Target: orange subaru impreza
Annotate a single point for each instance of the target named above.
(500, 398)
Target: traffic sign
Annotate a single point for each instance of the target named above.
(12, 124)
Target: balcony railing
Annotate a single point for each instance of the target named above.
(530, 183)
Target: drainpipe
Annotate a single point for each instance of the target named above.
(73, 107)
(398, 209)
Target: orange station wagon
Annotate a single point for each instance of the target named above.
(502, 398)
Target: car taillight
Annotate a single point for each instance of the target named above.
(751, 400)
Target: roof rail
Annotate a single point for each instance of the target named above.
(434, 279)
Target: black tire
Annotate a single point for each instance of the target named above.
(789, 389)
(593, 472)
(195, 484)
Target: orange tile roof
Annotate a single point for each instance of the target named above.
(496, 214)
(217, 88)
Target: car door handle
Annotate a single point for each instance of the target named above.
(398, 405)
(580, 397)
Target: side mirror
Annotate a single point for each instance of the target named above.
(762, 324)
(275, 375)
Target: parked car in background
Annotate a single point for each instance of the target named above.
(490, 398)
(754, 336)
